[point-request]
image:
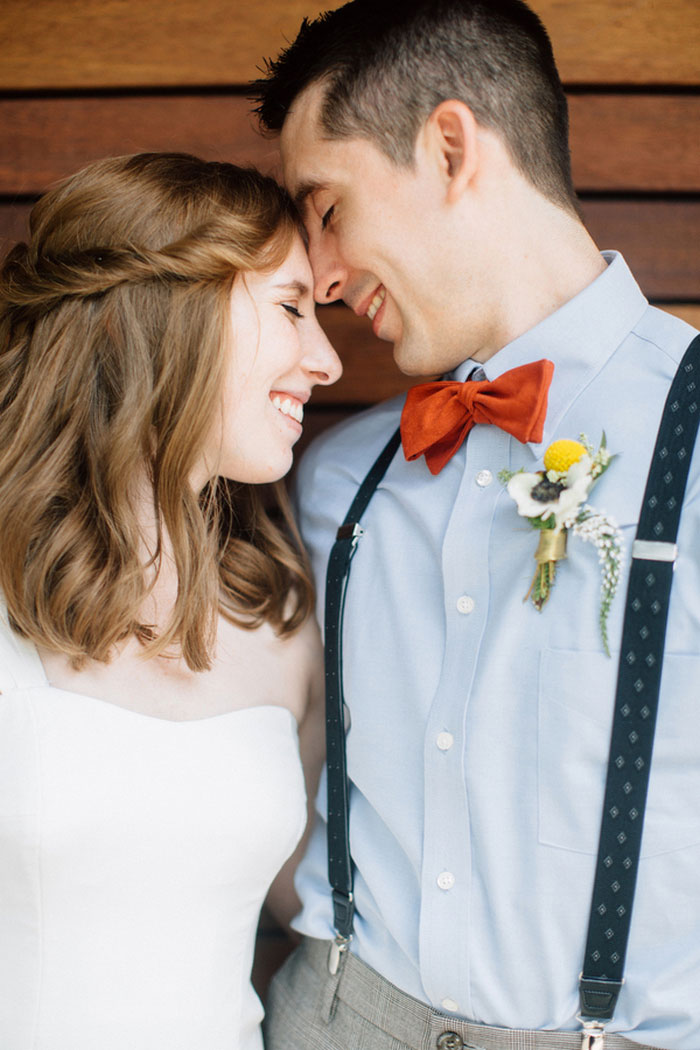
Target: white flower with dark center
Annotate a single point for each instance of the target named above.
(539, 497)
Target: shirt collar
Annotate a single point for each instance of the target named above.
(578, 338)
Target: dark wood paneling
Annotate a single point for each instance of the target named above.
(690, 312)
(659, 239)
(13, 224)
(123, 43)
(44, 139)
(103, 43)
(619, 142)
(624, 41)
(273, 945)
(635, 142)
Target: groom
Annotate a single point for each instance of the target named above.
(426, 143)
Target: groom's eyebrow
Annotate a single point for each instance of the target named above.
(304, 191)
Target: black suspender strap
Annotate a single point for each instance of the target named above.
(340, 872)
(636, 701)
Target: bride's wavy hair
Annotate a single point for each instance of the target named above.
(113, 322)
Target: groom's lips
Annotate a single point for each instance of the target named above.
(364, 304)
(377, 319)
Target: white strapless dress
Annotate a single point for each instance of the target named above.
(135, 854)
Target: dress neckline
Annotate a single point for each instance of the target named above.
(107, 705)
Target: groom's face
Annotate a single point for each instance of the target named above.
(375, 235)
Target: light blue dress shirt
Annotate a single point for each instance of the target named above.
(480, 727)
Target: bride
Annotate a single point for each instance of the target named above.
(157, 654)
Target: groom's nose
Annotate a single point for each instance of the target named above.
(330, 272)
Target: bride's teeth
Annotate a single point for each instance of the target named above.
(289, 408)
(376, 303)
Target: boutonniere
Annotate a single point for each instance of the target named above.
(554, 502)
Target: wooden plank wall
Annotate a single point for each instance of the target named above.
(97, 77)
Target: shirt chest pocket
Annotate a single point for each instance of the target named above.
(576, 699)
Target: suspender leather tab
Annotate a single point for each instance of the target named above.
(343, 908)
(598, 997)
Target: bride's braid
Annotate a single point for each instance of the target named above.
(32, 282)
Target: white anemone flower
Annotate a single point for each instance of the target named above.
(577, 482)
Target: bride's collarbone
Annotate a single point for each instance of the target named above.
(251, 668)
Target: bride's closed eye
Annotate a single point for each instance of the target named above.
(291, 309)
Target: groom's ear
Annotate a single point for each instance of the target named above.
(451, 135)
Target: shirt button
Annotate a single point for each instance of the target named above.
(465, 604)
(445, 741)
(450, 1005)
(445, 880)
(484, 478)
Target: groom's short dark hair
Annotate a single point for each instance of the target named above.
(388, 63)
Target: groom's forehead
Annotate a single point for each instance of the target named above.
(301, 139)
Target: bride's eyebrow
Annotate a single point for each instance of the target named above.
(299, 287)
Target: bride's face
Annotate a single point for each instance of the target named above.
(277, 352)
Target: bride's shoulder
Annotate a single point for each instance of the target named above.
(299, 663)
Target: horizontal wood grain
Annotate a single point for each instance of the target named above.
(14, 223)
(635, 142)
(123, 43)
(624, 41)
(659, 239)
(45, 139)
(118, 43)
(689, 312)
(618, 142)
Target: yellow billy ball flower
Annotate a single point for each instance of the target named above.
(563, 454)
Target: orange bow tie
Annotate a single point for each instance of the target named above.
(437, 417)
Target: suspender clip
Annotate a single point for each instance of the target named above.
(593, 1036)
(352, 531)
(339, 945)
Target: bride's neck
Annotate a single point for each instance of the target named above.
(156, 556)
